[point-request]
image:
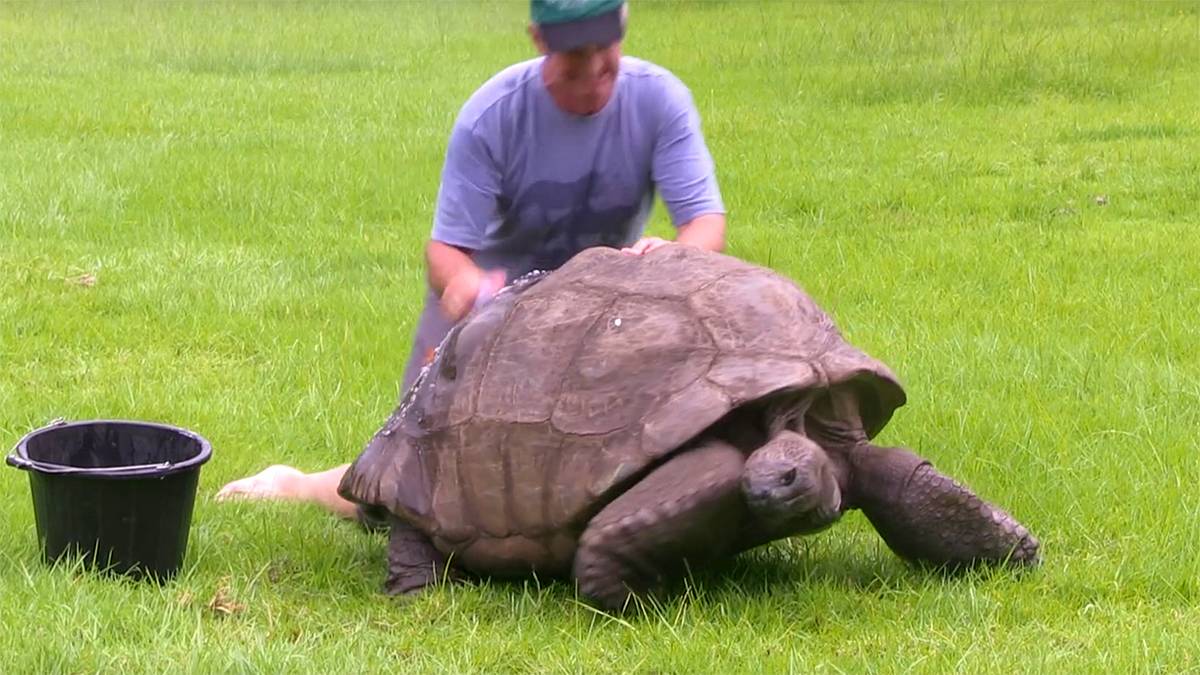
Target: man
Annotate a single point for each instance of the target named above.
(549, 157)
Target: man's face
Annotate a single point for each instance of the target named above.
(581, 81)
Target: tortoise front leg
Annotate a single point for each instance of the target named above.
(928, 517)
(413, 561)
(687, 510)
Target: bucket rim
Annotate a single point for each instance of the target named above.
(19, 457)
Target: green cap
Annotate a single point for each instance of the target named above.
(560, 11)
(570, 24)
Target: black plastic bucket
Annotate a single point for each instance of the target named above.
(118, 494)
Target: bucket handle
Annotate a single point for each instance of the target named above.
(20, 462)
(30, 465)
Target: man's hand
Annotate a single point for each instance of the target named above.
(645, 245)
(469, 288)
(459, 284)
(706, 232)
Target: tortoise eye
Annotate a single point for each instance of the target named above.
(788, 477)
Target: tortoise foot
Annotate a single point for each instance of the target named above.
(413, 561)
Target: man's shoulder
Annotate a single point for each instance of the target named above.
(647, 72)
(649, 75)
(653, 83)
(498, 88)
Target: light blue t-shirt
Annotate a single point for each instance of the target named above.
(527, 186)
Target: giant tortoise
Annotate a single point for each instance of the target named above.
(623, 416)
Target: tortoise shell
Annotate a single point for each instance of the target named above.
(543, 405)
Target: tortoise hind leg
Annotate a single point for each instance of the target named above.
(688, 510)
(927, 517)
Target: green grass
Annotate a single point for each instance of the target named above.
(249, 187)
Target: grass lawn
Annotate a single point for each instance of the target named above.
(212, 215)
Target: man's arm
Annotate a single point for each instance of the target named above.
(707, 232)
(445, 262)
(466, 209)
(453, 277)
(456, 279)
(682, 169)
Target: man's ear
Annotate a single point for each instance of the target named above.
(536, 36)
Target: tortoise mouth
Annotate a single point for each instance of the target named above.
(772, 504)
(800, 514)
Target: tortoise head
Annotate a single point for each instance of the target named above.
(791, 486)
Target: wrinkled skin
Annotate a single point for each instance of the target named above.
(625, 417)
